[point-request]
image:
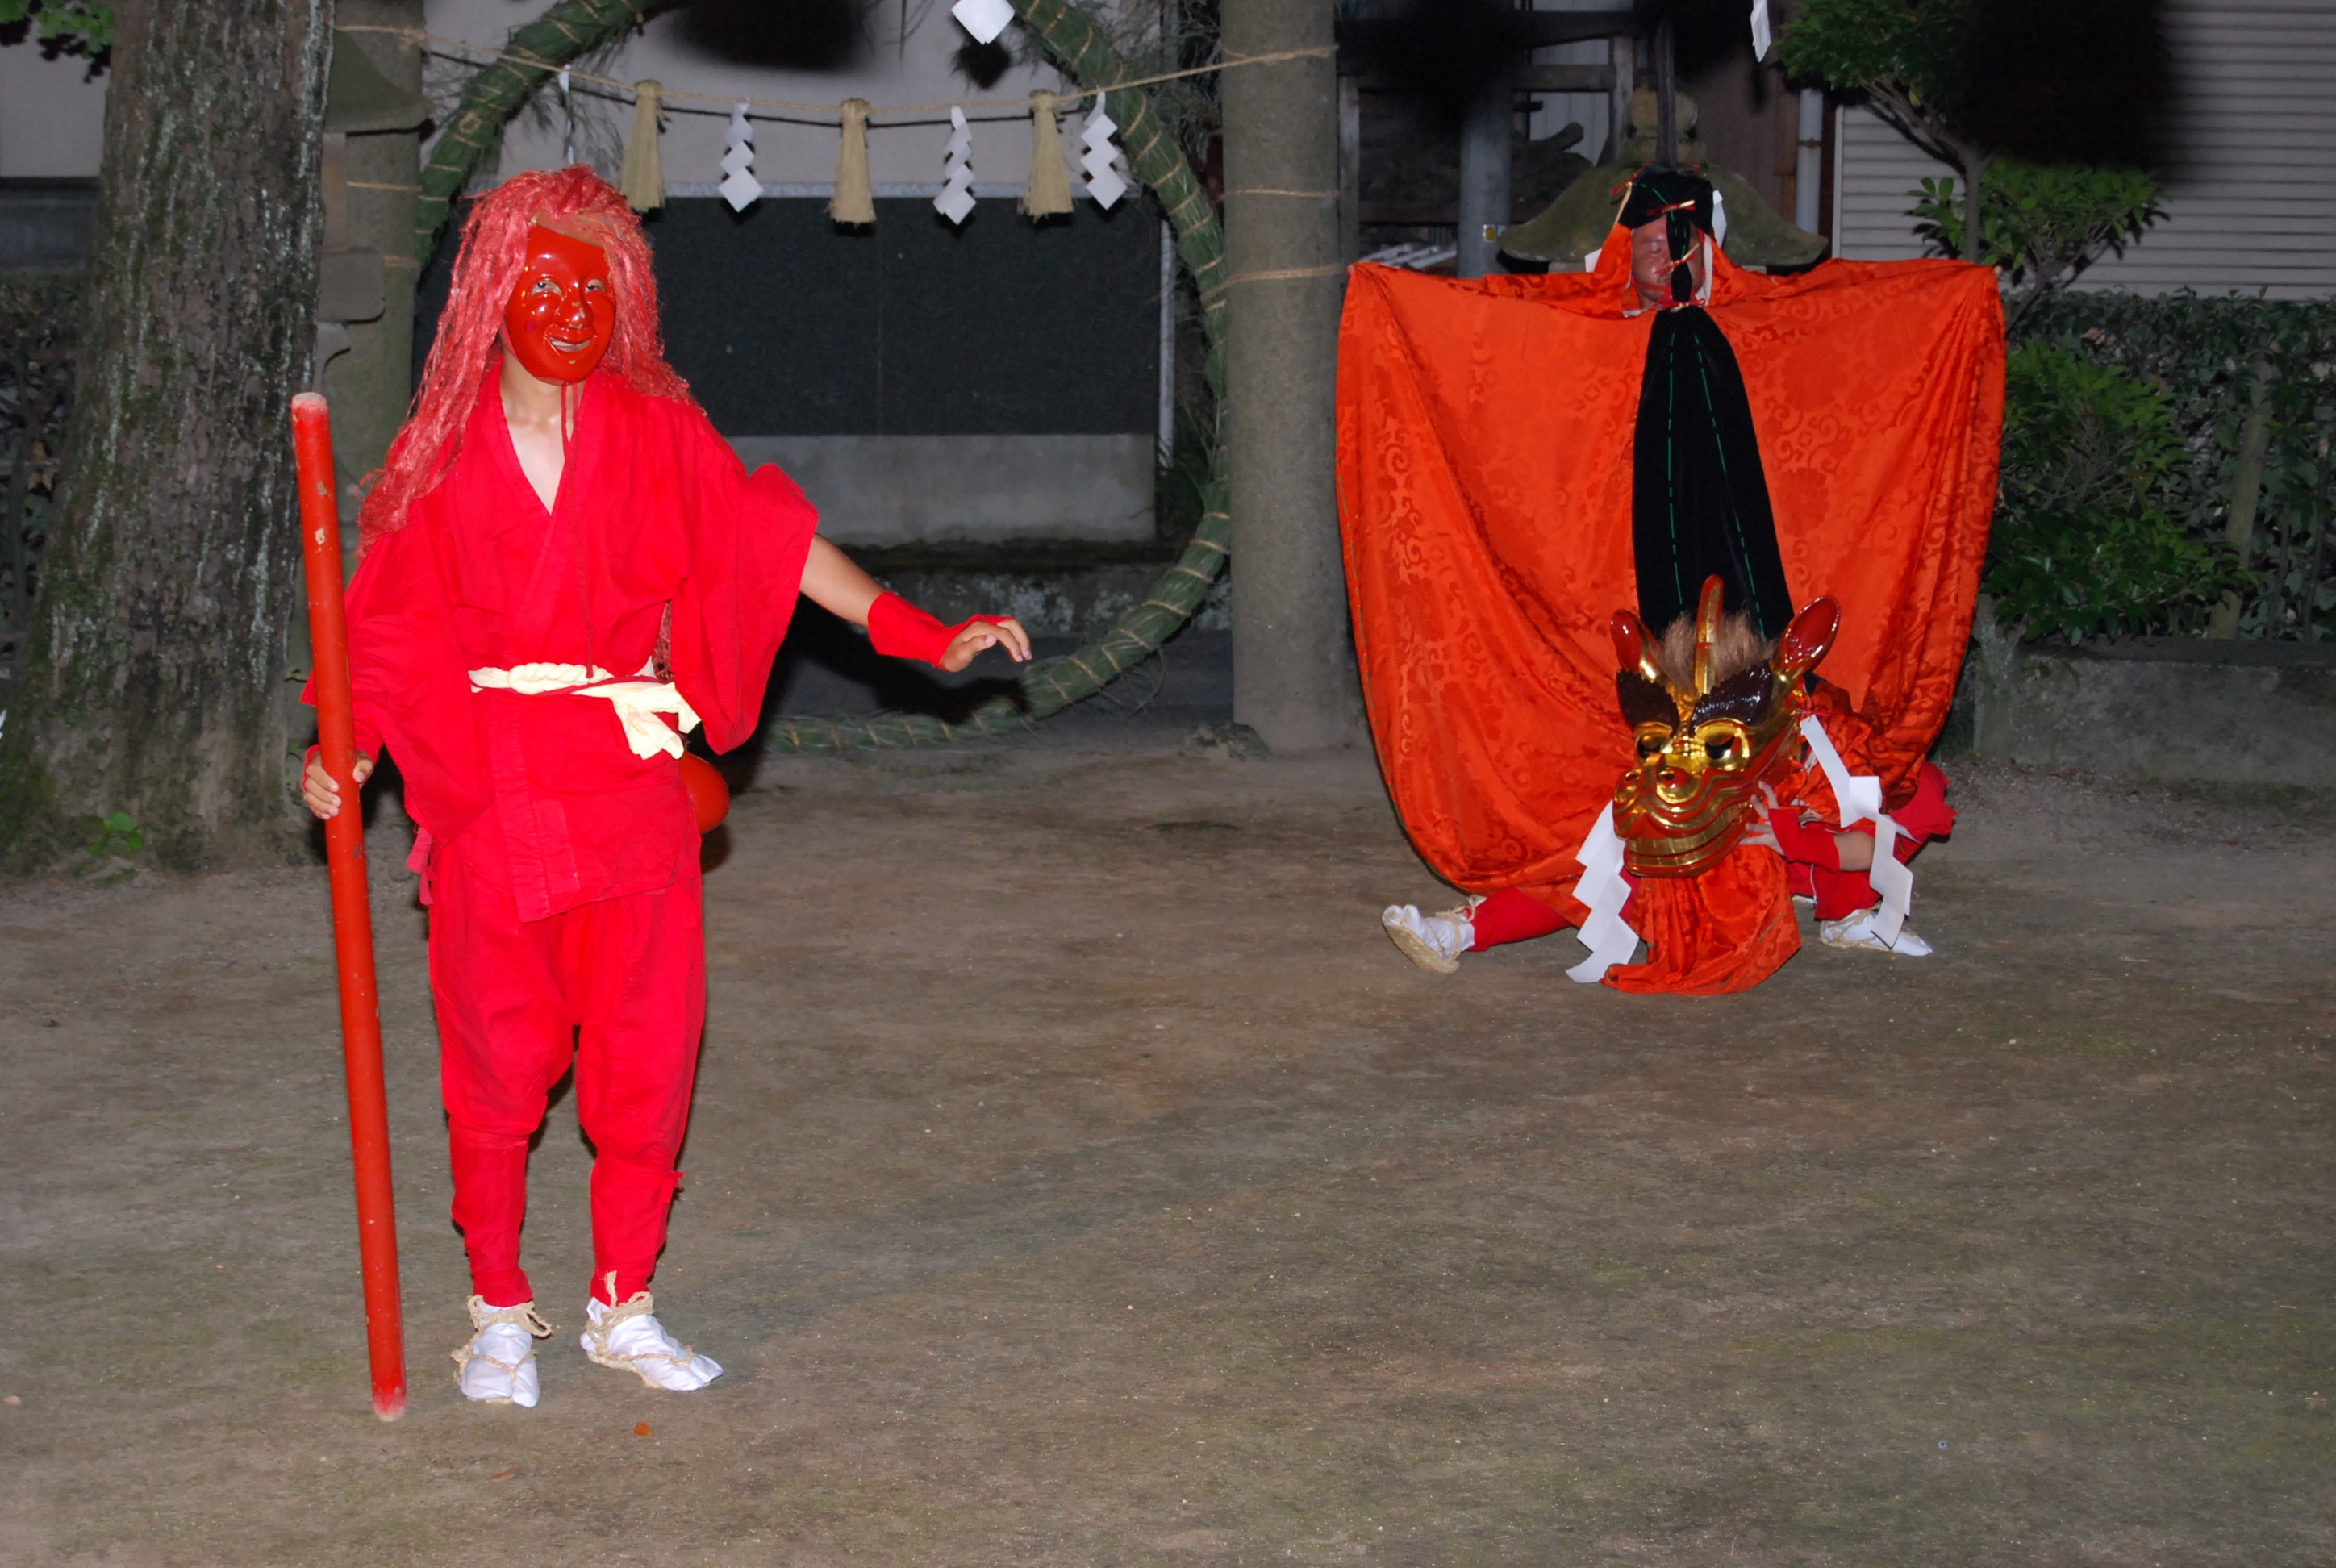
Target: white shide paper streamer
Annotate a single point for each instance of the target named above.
(955, 198)
(739, 187)
(1097, 154)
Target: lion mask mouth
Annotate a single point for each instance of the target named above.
(1715, 712)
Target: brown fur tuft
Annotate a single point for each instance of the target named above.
(1738, 646)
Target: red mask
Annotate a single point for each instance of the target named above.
(561, 316)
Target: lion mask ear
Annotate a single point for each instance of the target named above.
(1807, 639)
(1634, 648)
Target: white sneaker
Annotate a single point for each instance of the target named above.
(1434, 942)
(1857, 932)
(630, 1339)
(497, 1366)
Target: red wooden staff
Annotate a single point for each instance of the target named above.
(328, 637)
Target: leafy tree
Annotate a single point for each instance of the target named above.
(72, 27)
(2041, 223)
(1913, 60)
(2058, 104)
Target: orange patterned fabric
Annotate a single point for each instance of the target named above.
(1485, 436)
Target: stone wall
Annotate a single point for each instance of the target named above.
(2173, 710)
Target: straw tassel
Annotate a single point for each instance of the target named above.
(643, 178)
(853, 201)
(1049, 191)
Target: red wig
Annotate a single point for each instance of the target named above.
(470, 329)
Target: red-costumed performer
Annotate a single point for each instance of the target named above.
(1520, 458)
(564, 568)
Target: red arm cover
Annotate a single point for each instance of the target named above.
(1810, 843)
(899, 630)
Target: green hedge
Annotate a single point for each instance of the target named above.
(2196, 358)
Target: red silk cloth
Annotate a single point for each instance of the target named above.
(1485, 439)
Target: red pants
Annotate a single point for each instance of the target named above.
(619, 987)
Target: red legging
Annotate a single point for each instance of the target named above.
(1510, 916)
(617, 987)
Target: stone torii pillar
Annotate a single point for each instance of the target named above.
(1294, 677)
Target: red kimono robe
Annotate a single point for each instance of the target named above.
(561, 869)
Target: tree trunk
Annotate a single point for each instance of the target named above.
(152, 680)
(2246, 492)
(371, 384)
(1974, 173)
(1293, 660)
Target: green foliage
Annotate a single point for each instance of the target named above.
(2041, 223)
(1912, 48)
(1911, 59)
(116, 834)
(2082, 545)
(76, 26)
(2198, 353)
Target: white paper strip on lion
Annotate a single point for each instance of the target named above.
(1860, 798)
(955, 199)
(1609, 938)
(739, 187)
(1098, 154)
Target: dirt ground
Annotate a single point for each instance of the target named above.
(1079, 1178)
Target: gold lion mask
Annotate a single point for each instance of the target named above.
(1705, 748)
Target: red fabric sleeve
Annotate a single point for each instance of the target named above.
(749, 536)
(410, 693)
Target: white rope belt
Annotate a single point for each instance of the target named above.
(638, 702)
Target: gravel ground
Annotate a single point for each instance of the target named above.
(1079, 1178)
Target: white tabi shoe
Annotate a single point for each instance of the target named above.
(1857, 932)
(630, 1339)
(1434, 942)
(497, 1366)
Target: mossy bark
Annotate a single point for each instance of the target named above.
(151, 680)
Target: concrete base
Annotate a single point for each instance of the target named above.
(2173, 710)
(917, 488)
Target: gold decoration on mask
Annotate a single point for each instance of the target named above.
(1707, 743)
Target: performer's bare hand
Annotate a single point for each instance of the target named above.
(318, 790)
(1760, 833)
(1005, 634)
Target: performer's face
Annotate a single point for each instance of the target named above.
(561, 314)
(1651, 261)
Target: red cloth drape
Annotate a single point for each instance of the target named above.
(1484, 434)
